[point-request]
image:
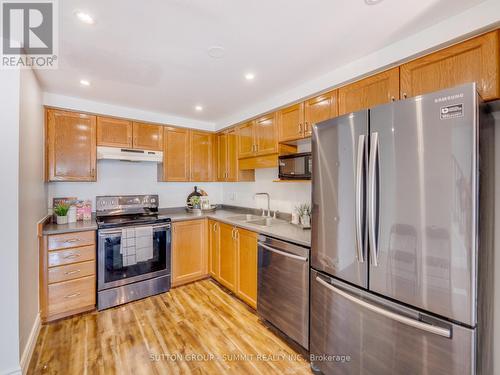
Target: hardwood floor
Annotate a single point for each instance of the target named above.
(193, 329)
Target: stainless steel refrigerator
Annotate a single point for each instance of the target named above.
(401, 269)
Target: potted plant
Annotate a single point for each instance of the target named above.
(195, 201)
(304, 212)
(61, 211)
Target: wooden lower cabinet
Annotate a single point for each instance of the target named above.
(67, 274)
(233, 260)
(189, 251)
(227, 257)
(213, 248)
(246, 266)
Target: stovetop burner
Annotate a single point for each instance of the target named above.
(128, 220)
(128, 210)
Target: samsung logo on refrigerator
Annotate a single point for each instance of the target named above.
(449, 97)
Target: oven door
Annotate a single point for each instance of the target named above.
(111, 270)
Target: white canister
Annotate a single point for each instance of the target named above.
(72, 214)
(295, 218)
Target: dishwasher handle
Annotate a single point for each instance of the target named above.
(272, 249)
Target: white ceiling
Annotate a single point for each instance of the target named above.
(152, 55)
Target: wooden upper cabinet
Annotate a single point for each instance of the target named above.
(475, 60)
(189, 251)
(176, 154)
(70, 146)
(246, 140)
(377, 89)
(114, 132)
(148, 136)
(291, 123)
(319, 108)
(266, 134)
(201, 159)
(221, 156)
(232, 156)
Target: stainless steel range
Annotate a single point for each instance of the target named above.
(133, 249)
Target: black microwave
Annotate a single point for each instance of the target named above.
(295, 166)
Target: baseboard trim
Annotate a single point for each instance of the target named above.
(30, 345)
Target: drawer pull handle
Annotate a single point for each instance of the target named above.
(71, 240)
(72, 256)
(72, 295)
(72, 272)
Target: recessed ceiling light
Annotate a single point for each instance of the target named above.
(217, 52)
(84, 17)
(84, 82)
(249, 76)
(372, 2)
(198, 108)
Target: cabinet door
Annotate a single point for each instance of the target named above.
(475, 60)
(266, 134)
(227, 260)
(221, 157)
(246, 140)
(201, 156)
(71, 146)
(291, 123)
(176, 155)
(320, 108)
(114, 132)
(378, 89)
(214, 249)
(232, 156)
(246, 286)
(148, 136)
(189, 255)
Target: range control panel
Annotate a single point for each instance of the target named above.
(126, 202)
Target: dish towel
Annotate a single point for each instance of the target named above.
(128, 248)
(144, 243)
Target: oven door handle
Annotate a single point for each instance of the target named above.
(119, 231)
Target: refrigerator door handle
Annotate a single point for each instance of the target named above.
(372, 200)
(388, 314)
(359, 197)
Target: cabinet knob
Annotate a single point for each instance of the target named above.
(393, 99)
(405, 95)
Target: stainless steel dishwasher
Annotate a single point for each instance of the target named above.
(283, 287)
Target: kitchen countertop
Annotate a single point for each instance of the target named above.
(80, 226)
(280, 229)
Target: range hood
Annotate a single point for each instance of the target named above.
(128, 154)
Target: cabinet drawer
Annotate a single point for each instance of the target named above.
(66, 240)
(79, 254)
(71, 271)
(71, 295)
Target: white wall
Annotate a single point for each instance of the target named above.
(119, 178)
(9, 167)
(284, 195)
(32, 201)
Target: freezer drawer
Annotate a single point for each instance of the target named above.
(364, 334)
(283, 288)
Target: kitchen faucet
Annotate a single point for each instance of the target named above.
(268, 204)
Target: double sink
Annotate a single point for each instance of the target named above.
(260, 221)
